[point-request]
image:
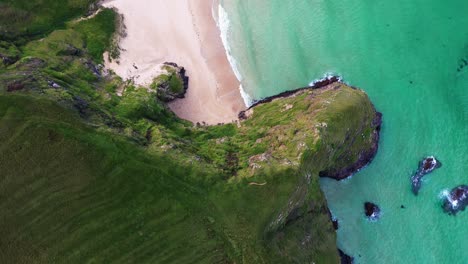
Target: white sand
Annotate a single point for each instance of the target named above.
(184, 32)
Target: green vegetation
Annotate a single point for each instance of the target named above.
(97, 32)
(169, 85)
(88, 176)
(21, 20)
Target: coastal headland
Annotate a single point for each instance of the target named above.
(97, 168)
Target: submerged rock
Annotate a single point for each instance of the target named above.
(456, 200)
(426, 166)
(372, 211)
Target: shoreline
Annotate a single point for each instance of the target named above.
(184, 32)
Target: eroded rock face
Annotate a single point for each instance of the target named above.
(426, 166)
(372, 211)
(456, 200)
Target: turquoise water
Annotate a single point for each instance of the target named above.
(406, 56)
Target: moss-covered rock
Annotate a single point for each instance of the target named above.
(172, 83)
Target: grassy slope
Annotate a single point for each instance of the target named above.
(24, 19)
(72, 194)
(101, 178)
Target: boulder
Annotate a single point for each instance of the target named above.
(426, 166)
(372, 211)
(172, 84)
(456, 200)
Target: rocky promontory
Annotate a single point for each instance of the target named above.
(328, 130)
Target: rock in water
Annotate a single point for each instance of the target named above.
(457, 200)
(426, 166)
(345, 258)
(371, 210)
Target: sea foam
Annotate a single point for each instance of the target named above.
(224, 25)
(326, 76)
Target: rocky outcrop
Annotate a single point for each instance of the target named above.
(456, 200)
(8, 60)
(372, 211)
(316, 85)
(172, 84)
(426, 166)
(344, 258)
(70, 50)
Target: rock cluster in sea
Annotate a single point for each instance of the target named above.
(456, 200)
(426, 166)
(372, 211)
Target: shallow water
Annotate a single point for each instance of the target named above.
(407, 56)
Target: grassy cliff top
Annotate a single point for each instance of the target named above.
(90, 176)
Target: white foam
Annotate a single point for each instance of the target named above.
(326, 76)
(224, 25)
(444, 194)
(248, 100)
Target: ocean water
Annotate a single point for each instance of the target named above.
(408, 56)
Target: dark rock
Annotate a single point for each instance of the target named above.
(402, 207)
(242, 115)
(456, 200)
(81, 105)
(93, 68)
(316, 85)
(8, 60)
(371, 210)
(29, 64)
(426, 166)
(70, 50)
(15, 86)
(336, 224)
(165, 92)
(345, 259)
(173, 64)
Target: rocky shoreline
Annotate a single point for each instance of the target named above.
(316, 85)
(364, 159)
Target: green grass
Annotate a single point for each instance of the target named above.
(91, 177)
(25, 19)
(98, 33)
(73, 194)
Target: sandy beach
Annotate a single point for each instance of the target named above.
(184, 32)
